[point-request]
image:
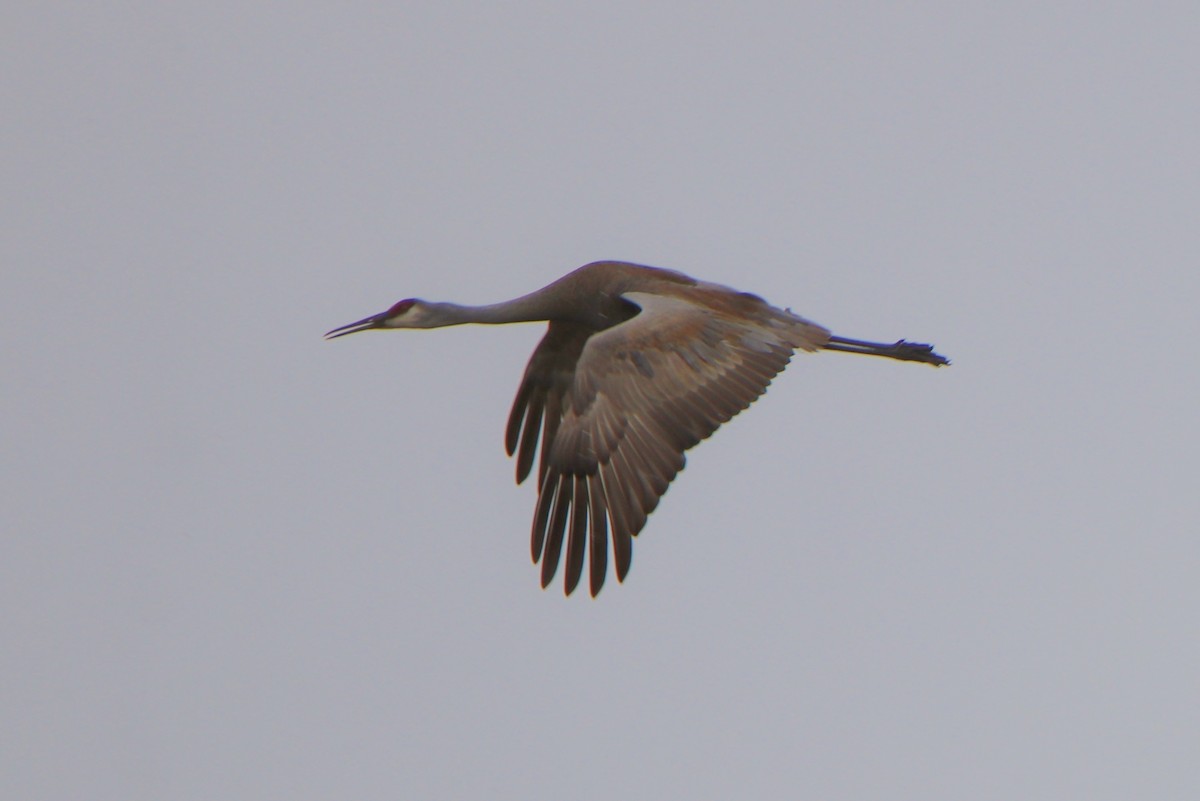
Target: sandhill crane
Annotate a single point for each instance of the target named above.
(638, 365)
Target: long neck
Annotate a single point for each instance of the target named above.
(533, 307)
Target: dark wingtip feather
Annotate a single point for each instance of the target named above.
(552, 419)
(598, 553)
(537, 537)
(529, 437)
(554, 532)
(622, 553)
(512, 431)
(577, 538)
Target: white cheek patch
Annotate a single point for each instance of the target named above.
(410, 319)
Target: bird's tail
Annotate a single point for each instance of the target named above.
(805, 334)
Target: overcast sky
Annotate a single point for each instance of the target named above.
(239, 561)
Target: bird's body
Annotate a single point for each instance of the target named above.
(637, 366)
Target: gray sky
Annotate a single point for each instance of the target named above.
(242, 562)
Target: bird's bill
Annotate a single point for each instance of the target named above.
(365, 324)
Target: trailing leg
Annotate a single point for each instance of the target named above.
(901, 350)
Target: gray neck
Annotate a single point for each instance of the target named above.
(525, 309)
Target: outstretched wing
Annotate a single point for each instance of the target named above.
(618, 408)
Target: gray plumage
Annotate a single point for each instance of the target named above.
(638, 365)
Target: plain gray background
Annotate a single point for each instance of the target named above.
(242, 562)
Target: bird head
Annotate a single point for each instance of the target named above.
(408, 313)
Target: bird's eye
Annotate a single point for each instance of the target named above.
(401, 307)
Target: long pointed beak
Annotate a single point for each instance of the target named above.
(365, 324)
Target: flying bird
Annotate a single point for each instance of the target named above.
(638, 365)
